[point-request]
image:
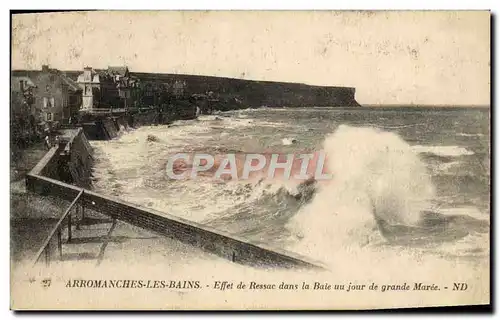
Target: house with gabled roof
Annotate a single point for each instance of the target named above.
(121, 71)
(56, 97)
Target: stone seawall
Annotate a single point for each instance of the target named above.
(121, 123)
(71, 161)
(48, 166)
(108, 127)
(78, 157)
(145, 118)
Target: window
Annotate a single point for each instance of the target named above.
(48, 102)
(48, 116)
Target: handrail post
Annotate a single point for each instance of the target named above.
(77, 209)
(59, 243)
(82, 207)
(69, 227)
(47, 255)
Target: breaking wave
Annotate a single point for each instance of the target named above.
(381, 191)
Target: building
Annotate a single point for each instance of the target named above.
(54, 96)
(22, 112)
(179, 89)
(123, 83)
(90, 84)
(105, 89)
(22, 96)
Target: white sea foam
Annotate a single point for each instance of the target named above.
(470, 134)
(134, 169)
(444, 151)
(235, 122)
(288, 141)
(470, 211)
(446, 167)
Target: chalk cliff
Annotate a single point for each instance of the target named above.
(261, 93)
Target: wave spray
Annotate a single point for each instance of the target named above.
(374, 172)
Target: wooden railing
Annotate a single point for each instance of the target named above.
(46, 249)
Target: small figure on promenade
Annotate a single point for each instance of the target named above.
(47, 142)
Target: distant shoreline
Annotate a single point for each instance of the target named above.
(382, 107)
(425, 106)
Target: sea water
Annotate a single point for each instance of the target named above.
(390, 162)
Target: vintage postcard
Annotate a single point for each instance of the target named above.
(250, 160)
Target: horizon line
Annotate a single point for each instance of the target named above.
(448, 105)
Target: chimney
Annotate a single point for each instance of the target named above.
(45, 68)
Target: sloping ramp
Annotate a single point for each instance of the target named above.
(227, 246)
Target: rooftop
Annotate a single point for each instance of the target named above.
(122, 71)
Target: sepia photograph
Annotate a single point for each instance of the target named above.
(250, 160)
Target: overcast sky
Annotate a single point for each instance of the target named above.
(390, 57)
